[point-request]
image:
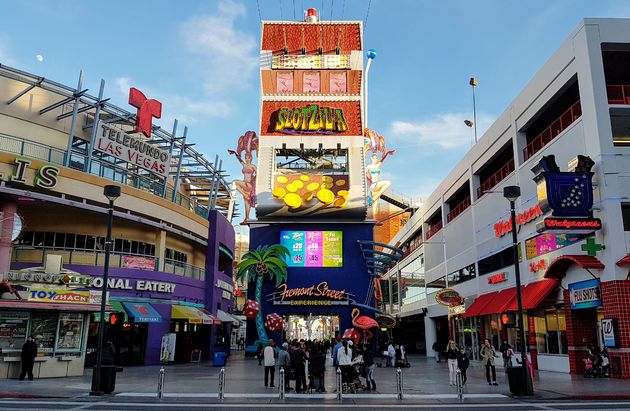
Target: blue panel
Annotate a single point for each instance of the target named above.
(585, 294)
(142, 312)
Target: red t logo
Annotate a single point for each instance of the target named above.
(146, 110)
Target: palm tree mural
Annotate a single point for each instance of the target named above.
(255, 265)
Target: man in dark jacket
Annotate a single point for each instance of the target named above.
(297, 363)
(29, 352)
(462, 364)
(317, 367)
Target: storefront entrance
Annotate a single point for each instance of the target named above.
(311, 327)
(467, 336)
(128, 339)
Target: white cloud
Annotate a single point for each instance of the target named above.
(446, 131)
(226, 54)
(5, 57)
(182, 108)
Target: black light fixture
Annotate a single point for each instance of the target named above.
(112, 192)
(512, 193)
(468, 123)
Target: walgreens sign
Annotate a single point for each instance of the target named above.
(505, 226)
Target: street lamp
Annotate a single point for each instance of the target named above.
(112, 192)
(473, 83)
(371, 55)
(511, 193)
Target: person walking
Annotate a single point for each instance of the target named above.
(29, 352)
(335, 350)
(438, 351)
(506, 353)
(451, 358)
(463, 362)
(297, 364)
(391, 354)
(269, 359)
(259, 353)
(488, 355)
(368, 364)
(284, 363)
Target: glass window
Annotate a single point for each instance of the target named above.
(80, 245)
(38, 239)
(13, 326)
(126, 246)
(70, 332)
(118, 245)
(540, 330)
(134, 247)
(44, 329)
(90, 242)
(69, 243)
(552, 331)
(562, 332)
(49, 239)
(625, 216)
(25, 238)
(59, 240)
(461, 275)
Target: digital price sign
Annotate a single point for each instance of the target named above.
(313, 248)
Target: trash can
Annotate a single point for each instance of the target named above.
(107, 383)
(515, 380)
(219, 359)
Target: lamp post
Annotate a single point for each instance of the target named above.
(112, 192)
(511, 193)
(371, 55)
(473, 83)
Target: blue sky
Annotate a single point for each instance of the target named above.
(200, 59)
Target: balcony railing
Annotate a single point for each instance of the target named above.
(97, 258)
(565, 120)
(458, 209)
(434, 229)
(496, 178)
(100, 168)
(618, 93)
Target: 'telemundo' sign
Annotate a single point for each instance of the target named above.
(132, 149)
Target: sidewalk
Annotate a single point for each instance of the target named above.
(425, 378)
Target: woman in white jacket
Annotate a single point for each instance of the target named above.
(344, 359)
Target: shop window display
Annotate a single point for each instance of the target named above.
(44, 328)
(70, 332)
(13, 328)
(551, 330)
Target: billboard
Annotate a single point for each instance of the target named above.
(313, 248)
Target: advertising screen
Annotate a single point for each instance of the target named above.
(313, 248)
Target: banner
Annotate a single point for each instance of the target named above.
(48, 295)
(139, 263)
(168, 347)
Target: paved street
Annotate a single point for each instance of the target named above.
(425, 383)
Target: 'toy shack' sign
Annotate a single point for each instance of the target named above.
(449, 297)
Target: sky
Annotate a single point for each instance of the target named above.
(200, 59)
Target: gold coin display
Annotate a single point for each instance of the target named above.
(304, 177)
(327, 185)
(312, 186)
(282, 179)
(342, 193)
(307, 197)
(291, 188)
(339, 183)
(325, 196)
(293, 200)
(298, 183)
(340, 202)
(327, 179)
(279, 192)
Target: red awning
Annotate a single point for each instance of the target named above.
(624, 261)
(499, 302)
(533, 294)
(479, 304)
(558, 268)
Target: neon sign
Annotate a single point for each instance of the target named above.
(538, 266)
(573, 223)
(497, 278)
(310, 119)
(503, 227)
(319, 290)
(46, 176)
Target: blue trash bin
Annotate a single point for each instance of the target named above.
(219, 359)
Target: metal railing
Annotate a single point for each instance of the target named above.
(99, 167)
(434, 229)
(97, 258)
(558, 126)
(618, 93)
(496, 178)
(458, 209)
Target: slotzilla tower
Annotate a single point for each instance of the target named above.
(311, 191)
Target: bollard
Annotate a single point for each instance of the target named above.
(399, 383)
(460, 385)
(160, 387)
(222, 384)
(339, 384)
(281, 382)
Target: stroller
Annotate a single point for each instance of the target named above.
(353, 384)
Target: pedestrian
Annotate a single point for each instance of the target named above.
(368, 364)
(451, 358)
(438, 351)
(317, 367)
(335, 349)
(29, 352)
(391, 354)
(259, 353)
(284, 363)
(506, 353)
(462, 364)
(269, 357)
(344, 359)
(241, 344)
(298, 367)
(488, 355)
